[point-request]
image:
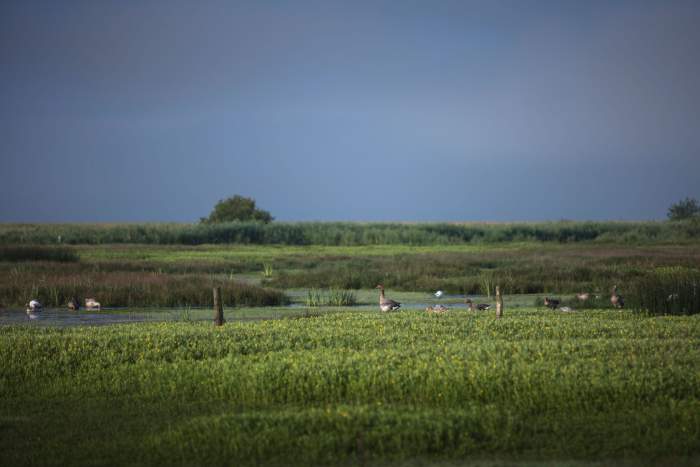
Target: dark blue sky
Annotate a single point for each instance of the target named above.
(418, 111)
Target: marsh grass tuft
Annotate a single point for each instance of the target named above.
(332, 297)
(314, 298)
(267, 270)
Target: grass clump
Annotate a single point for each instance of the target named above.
(332, 297)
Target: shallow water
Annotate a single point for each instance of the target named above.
(63, 317)
(108, 316)
(58, 317)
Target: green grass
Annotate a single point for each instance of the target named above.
(332, 297)
(355, 387)
(147, 274)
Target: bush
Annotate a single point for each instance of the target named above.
(684, 209)
(237, 208)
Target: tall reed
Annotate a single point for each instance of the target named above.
(666, 291)
(349, 233)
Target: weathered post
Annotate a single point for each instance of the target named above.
(499, 303)
(218, 307)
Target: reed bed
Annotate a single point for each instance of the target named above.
(667, 291)
(120, 289)
(350, 233)
(540, 270)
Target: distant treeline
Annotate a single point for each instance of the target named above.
(348, 233)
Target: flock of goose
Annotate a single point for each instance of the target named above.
(387, 304)
(34, 307)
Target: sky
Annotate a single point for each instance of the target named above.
(135, 111)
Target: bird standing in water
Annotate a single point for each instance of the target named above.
(386, 304)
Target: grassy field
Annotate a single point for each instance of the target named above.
(356, 388)
(155, 275)
(280, 385)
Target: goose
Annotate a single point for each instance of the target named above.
(91, 304)
(584, 296)
(473, 306)
(438, 294)
(437, 309)
(386, 304)
(616, 299)
(34, 307)
(74, 304)
(552, 303)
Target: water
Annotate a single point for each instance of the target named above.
(60, 318)
(63, 317)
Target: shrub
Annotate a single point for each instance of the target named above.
(237, 208)
(684, 209)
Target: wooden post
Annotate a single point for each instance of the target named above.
(499, 303)
(218, 307)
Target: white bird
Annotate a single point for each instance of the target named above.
(438, 294)
(34, 307)
(91, 304)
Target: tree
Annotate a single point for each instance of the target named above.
(237, 208)
(684, 209)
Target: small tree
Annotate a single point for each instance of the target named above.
(684, 209)
(237, 208)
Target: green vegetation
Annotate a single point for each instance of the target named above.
(332, 297)
(237, 208)
(338, 233)
(684, 209)
(341, 385)
(667, 291)
(355, 388)
(152, 275)
(128, 289)
(519, 269)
